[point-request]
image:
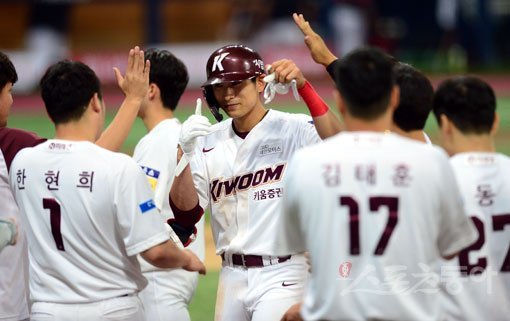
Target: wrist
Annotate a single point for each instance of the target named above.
(314, 102)
(135, 100)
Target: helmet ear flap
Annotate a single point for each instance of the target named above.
(214, 107)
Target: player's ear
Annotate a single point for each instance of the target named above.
(394, 97)
(446, 125)
(495, 124)
(153, 91)
(95, 103)
(339, 102)
(260, 83)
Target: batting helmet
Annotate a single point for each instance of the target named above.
(228, 64)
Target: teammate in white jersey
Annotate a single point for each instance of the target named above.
(168, 292)
(478, 282)
(416, 92)
(14, 260)
(90, 211)
(374, 209)
(237, 171)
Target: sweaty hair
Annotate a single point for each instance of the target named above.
(169, 73)
(364, 78)
(469, 103)
(416, 97)
(66, 90)
(7, 71)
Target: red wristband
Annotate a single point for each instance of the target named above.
(313, 101)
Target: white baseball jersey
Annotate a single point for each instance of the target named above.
(90, 211)
(156, 153)
(13, 259)
(477, 283)
(169, 290)
(241, 180)
(375, 211)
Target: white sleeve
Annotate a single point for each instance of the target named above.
(307, 132)
(200, 177)
(456, 231)
(140, 222)
(290, 236)
(158, 158)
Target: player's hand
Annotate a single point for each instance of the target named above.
(195, 126)
(292, 313)
(308, 261)
(318, 49)
(10, 228)
(285, 70)
(135, 83)
(194, 265)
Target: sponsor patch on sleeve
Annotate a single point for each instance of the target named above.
(152, 176)
(147, 205)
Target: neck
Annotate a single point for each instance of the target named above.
(76, 131)
(473, 143)
(247, 122)
(417, 135)
(380, 124)
(154, 116)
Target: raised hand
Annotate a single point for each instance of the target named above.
(135, 83)
(195, 126)
(285, 70)
(318, 49)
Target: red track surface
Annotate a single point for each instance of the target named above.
(113, 97)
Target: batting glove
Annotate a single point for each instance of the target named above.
(195, 126)
(273, 87)
(8, 233)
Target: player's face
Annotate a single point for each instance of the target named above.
(238, 99)
(5, 103)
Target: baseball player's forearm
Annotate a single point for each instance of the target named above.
(183, 194)
(168, 255)
(113, 137)
(325, 121)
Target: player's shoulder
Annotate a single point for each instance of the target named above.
(163, 134)
(12, 140)
(220, 130)
(280, 116)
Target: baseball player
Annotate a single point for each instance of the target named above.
(168, 292)
(374, 209)
(90, 210)
(236, 171)
(416, 91)
(477, 283)
(14, 259)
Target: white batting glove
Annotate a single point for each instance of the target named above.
(195, 126)
(8, 232)
(273, 87)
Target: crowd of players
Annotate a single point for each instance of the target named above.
(393, 228)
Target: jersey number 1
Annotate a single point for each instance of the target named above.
(54, 207)
(375, 202)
